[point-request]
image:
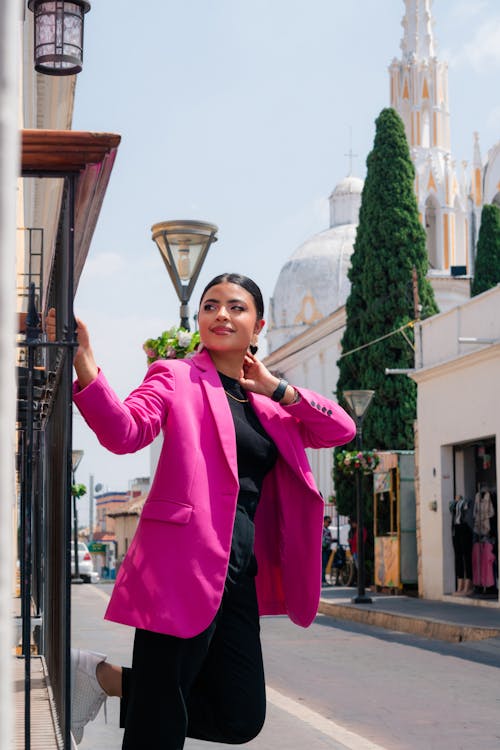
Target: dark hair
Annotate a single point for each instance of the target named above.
(243, 281)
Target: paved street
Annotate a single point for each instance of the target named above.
(339, 685)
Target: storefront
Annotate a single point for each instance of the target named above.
(394, 522)
(474, 520)
(458, 425)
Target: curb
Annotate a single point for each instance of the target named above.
(426, 627)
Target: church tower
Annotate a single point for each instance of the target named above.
(419, 93)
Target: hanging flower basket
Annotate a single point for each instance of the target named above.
(350, 461)
(176, 343)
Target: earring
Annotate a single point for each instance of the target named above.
(253, 348)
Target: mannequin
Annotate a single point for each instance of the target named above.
(462, 523)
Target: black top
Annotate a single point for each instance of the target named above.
(256, 454)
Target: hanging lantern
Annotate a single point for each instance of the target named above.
(58, 35)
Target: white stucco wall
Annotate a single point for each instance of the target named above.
(457, 403)
(310, 361)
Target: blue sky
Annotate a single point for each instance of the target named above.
(240, 113)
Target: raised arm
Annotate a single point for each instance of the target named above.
(84, 363)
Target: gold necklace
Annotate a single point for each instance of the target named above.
(239, 400)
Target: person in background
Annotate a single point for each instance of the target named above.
(231, 528)
(353, 539)
(326, 547)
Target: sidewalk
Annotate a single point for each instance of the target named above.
(453, 621)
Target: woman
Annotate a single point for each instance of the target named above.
(232, 522)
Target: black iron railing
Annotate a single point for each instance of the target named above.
(44, 420)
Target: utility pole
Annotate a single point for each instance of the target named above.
(417, 307)
(91, 508)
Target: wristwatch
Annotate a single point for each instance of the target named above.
(280, 390)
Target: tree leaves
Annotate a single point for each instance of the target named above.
(487, 271)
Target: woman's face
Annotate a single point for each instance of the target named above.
(227, 318)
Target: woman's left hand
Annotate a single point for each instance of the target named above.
(257, 378)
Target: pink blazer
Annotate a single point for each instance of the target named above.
(172, 578)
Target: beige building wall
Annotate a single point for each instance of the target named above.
(125, 528)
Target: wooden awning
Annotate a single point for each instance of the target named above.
(56, 152)
(88, 156)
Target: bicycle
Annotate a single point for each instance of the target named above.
(342, 569)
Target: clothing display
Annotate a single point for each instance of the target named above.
(483, 513)
(485, 544)
(483, 560)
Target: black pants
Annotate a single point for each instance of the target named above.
(462, 544)
(210, 687)
(325, 556)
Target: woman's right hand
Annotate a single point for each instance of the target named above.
(84, 362)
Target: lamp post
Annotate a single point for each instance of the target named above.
(58, 45)
(76, 457)
(184, 245)
(358, 402)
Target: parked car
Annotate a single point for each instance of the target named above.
(85, 563)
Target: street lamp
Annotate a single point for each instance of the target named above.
(58, 35)
(358, 402)
(183, 246)
(76, 457)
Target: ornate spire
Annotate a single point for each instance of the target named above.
(418, 40)
(477, 173)
(476, 159)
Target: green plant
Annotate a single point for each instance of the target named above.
(176, 343)
(78, 490)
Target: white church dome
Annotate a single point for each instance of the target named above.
(313, 283)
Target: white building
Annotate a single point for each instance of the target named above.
(307, 313)
(313, 283)
(458, 415)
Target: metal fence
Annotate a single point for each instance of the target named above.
(44, 442)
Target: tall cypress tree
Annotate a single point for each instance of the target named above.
(390, 244)
(487, 272)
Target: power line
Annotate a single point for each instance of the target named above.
(410, 324)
